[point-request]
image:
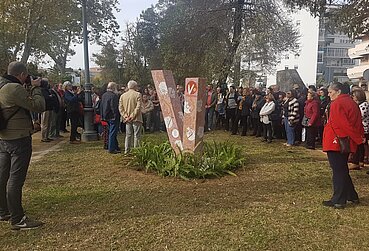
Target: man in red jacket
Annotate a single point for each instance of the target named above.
(344, 120)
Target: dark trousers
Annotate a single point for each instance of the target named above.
(358, 156)
(243, 122)
(105, 136)
(74, 118)
(343, 189)
(15, 156)
(278, 130)
(63, 122)
(267, 131)
(113, 144)
(311, 133)
(230, 115)
(257, 126)
(298, 132)
(147, 122)
(219, 120)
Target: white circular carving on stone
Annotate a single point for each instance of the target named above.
(163, 88)
(168, 122)
(190, 133)
(187, 107)
(175, 133)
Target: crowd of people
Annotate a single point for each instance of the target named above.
(337, 118)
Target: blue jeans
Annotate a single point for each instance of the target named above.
(15, 156)
(290, 132)
(113, 131)
(209, 118)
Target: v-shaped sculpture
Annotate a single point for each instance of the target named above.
(185, 125)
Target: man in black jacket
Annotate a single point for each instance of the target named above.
(110, 113)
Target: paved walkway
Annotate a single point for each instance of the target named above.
(40, 149)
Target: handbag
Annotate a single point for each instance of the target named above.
(344, 142)
(305, 121)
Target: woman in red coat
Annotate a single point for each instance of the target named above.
(344, 120)
(312, 112)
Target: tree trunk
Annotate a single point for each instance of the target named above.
(66, 52)
(27, 40)
(236, 39)
(237, 70)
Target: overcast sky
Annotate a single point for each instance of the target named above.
(130, 10)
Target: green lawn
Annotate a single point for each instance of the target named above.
(91, 200)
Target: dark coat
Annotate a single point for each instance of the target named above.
(72, 102)
(245, 105)
(109, 106)
(256, 110)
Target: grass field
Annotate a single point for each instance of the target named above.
(90, 200)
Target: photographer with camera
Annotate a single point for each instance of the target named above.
(15, 141)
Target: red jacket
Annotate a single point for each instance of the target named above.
(312, 111)
(344, 120)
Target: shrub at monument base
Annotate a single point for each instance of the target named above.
(218, 159)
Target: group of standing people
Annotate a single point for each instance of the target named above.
(345, 132)
(115, 109)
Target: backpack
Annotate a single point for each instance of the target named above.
(6, 114)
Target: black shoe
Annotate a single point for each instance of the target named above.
(269, 141)
(263, 140)
(115, 152)
(45, 140)
(26, 224)
(329, 203)
(5, 217)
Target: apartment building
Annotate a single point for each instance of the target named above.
(360, 52)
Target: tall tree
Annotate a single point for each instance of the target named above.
(50, 26)
(349, 16)
(108, 62)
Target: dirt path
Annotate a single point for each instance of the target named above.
(40, 149)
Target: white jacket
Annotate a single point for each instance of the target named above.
(265, 111)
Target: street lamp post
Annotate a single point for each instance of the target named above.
(120, 66)
(89, 134)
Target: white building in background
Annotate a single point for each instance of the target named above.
(305, 62)
(361, 52)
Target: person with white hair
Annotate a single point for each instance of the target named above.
(110, 113)
(130, 110)
(72, 101)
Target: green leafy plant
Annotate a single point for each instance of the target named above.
(218, 159)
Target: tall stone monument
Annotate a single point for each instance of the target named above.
(170, 106)
(185, 130)
(194, 114)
